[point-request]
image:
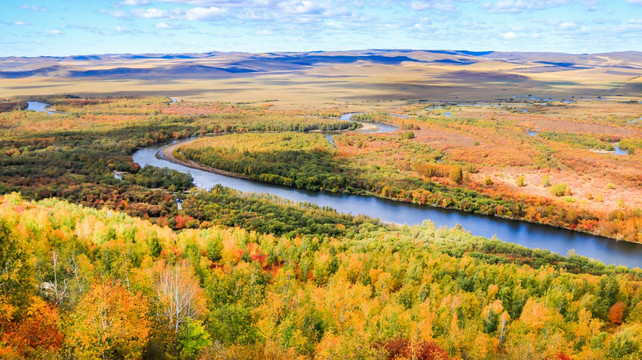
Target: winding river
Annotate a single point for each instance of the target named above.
(530, 235)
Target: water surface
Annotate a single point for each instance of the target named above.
(530, 235)
(38, 106)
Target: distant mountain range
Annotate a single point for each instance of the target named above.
(225, 65)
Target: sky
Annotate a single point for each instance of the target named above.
(75, 27)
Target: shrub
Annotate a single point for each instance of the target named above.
(456, 174)
(471, 168)
(546, 181)
(560, 189)
(521, 181)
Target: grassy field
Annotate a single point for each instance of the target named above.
(549, 162)
(354, 79)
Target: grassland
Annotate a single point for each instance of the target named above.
(541, 165)
(314, 81)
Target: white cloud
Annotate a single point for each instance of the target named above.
(515, 6)
(195, 14)
(636, 2)
(204, 14)
(134, 2)
(115, 13)
(567, 26)
(162, 26)
(33, 7)
(19, 23)
(166, 26)
(300, 7)
(419, 5)
(226, 3)
(440, 5)
(151, 13)
(54, 32)
(635, 21)
(509, 36)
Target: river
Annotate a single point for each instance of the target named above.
(523, 233)
(530, 235)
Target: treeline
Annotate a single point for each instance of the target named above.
(269, 214)
(296, 160)
(12, 105)
(376, 117)
(154, 177)
(83, 283)
(300, 169)
(586, 141)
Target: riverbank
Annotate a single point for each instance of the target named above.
(167, 153)
(531, 235)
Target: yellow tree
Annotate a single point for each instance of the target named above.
(109, 322)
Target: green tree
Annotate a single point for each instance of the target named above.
(192, 339)
(16, 276)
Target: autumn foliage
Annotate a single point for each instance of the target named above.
(127, 288)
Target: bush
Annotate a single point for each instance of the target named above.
(471, 168)
(560, 189)
(546, 181)
(456, 174)
(521, 181)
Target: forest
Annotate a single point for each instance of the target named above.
(98, 260)
(85, 283)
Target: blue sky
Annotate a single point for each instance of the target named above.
(67, 27)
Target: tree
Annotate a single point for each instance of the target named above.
(616, 313)
(192, 339)
(179, 295)
(16, 280)
(456, 174)
(37, 334)
(109, 322)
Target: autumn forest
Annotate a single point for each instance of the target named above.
(103, 258)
